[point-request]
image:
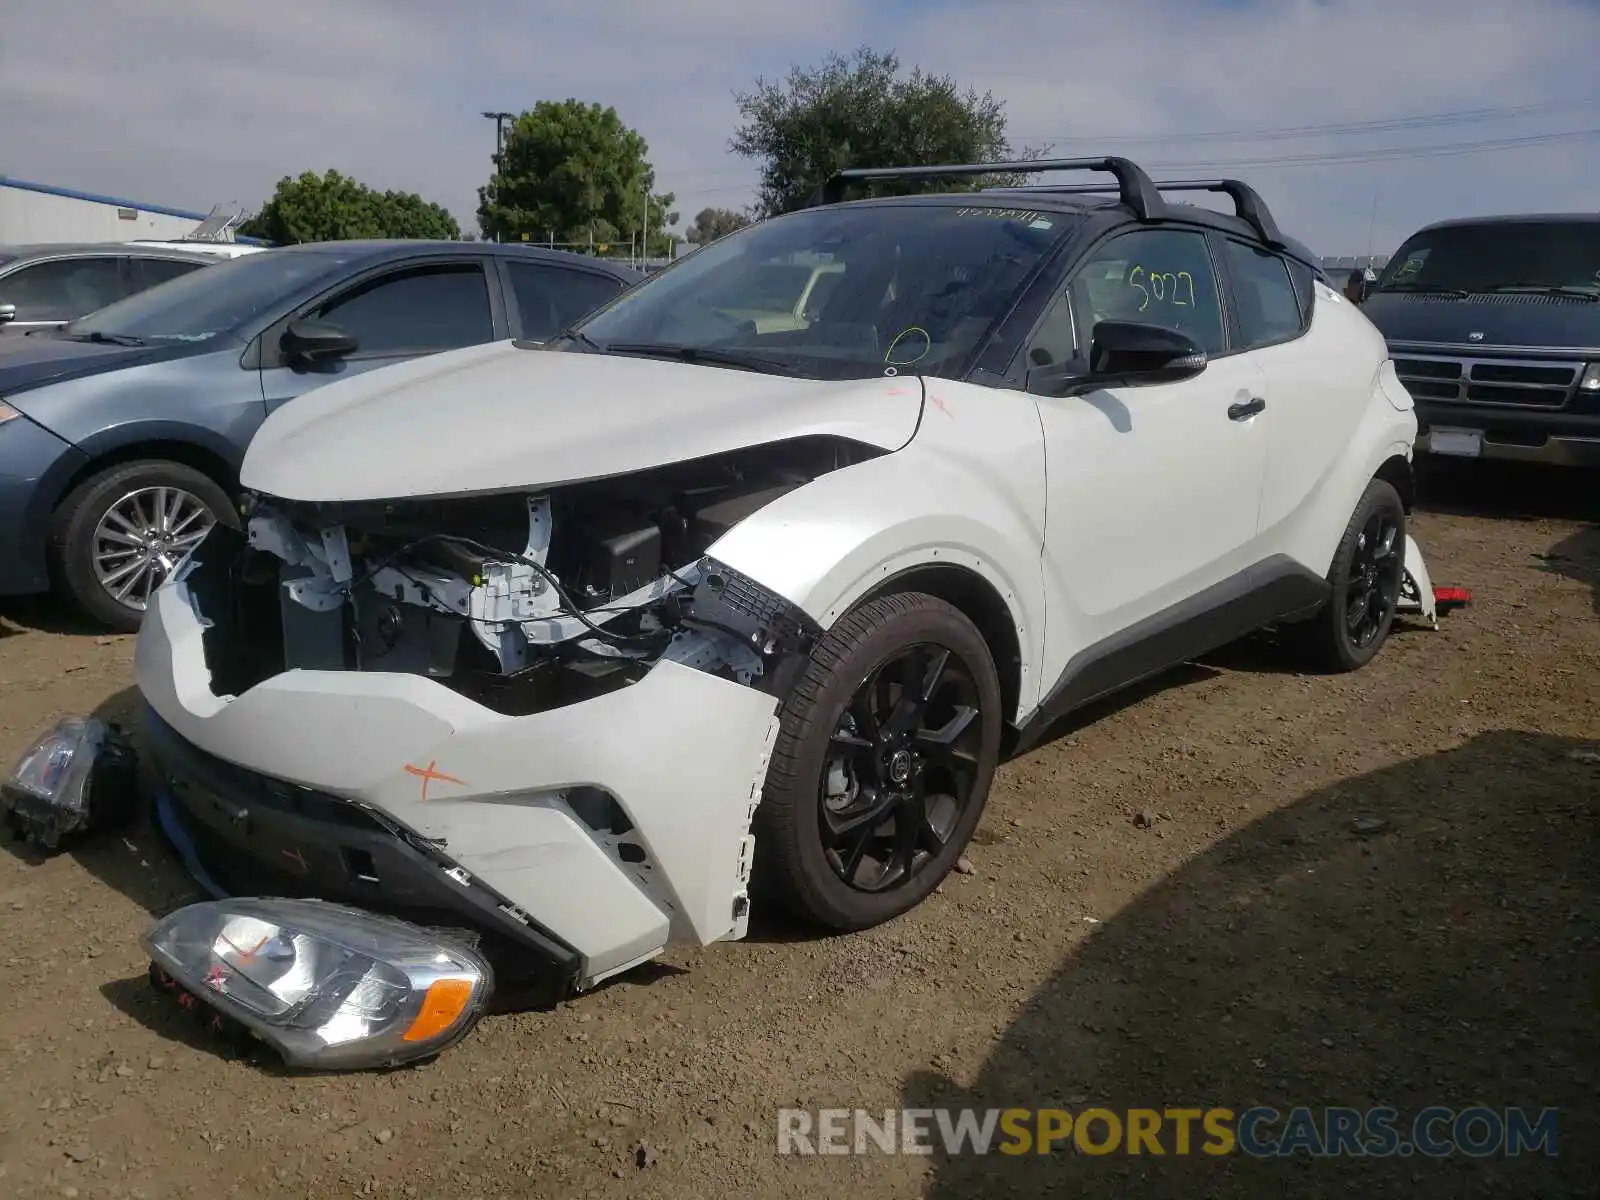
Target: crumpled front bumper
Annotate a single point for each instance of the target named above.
(682, 753)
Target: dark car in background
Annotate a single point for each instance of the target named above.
(121, 434)
(45, 286)
(1494, 326)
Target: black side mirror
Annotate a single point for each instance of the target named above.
(1123, 354)
(1130, 352)
(316, 341)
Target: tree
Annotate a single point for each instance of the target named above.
(859, 111)
(712, 223)
(574, 173)
(324, 208)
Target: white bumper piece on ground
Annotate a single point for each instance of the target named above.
(1416, 588)
(682, 752)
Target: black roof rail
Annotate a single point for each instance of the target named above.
(1134, 186)
(1247, 202)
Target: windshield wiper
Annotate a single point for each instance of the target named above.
(1458, 293)
(703, 354)
(1546, 289)
(576, 335)
(107, 339)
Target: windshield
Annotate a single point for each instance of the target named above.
(214, 300)
(834, 293)
(1561, 255)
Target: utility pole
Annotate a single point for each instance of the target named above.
(1372, 226)
(499, 119)
(644, 225)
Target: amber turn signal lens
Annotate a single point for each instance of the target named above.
(442, 1007)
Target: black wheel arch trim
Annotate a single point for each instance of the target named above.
(977, 599)
(1398, 472)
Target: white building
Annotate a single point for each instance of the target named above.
(1371, 265)
(35, 212)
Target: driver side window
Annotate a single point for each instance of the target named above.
(1154, 276)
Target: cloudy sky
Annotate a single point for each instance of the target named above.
(188, 103)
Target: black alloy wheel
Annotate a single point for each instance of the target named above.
(886, 747)
(903, 770)
(1364, 585)
(1373, 588)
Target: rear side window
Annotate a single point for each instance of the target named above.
(438, 307)
(62, 289)
(1305, 289)
(1263, 295)
(147, 272)
(551, 298)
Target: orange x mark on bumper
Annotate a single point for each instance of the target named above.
(428, 774)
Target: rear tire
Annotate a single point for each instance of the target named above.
(886, 749)
(1364, 586)
(123, 529)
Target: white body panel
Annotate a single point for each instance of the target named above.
(494, 418)
(1085, 515)
(352, 734)
(216, 249)
(969, 491)
(1123, 472)
(1416, 592)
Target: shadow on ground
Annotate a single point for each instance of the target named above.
(1508, 490)
(1578, 557)
(43, 614)
(1446, 958)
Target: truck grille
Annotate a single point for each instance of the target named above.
(1502, 381)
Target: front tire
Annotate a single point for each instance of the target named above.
(1364, 585)
(121, 532)
(886, 749)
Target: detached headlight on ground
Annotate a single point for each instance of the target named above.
(80, 771)
(328, 987)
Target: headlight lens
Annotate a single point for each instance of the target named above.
(77, 770)
(1591, 378)
(328, 987)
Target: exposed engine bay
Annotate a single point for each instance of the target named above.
(522, 602)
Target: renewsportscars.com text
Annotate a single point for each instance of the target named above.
(1434, 1132)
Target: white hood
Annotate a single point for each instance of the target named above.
(497, 418)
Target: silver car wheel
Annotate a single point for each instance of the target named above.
(142, 538)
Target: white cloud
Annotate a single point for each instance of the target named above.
(189, 103)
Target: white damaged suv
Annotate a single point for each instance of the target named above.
(754, 575)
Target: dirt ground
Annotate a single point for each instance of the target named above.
(1248, 947)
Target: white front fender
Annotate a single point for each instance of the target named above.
(1416, 588)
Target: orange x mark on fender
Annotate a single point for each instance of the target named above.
(427, 774)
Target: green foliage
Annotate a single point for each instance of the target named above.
(332, 207)
(859, 111)
(712, 223)
(573, 172)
